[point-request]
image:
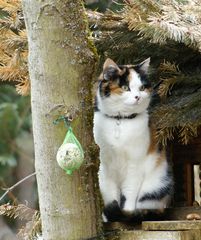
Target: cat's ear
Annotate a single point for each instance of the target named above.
(109, 63)
(144, 66)
(110, 69)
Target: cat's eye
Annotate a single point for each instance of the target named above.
(125, 87)
(142, 88)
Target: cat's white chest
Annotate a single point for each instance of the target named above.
(117, 129)
(123, 134)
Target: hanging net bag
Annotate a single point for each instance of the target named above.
(70, 154)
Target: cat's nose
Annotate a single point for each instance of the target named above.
(137, 98)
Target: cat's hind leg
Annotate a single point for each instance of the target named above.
(156, 190)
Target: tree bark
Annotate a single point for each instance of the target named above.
(61, 67)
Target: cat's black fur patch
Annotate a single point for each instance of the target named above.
(96, 105)
(104, 89)
(122, 201)
(113, 212)
(123, 80)
(147, 215)
(158, 195)
(143, 76)
(110, 73)
(145, 82)
(107, 91)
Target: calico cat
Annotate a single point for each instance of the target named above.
(134, 175)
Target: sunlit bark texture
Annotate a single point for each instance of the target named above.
(61, 67)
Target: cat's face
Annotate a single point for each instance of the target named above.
(124, 89)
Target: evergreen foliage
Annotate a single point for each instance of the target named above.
(13, 46)
(14, 110)
(30, 216)
(103, 5)
(169, 32)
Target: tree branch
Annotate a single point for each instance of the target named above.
(107, 21)
(16, 184)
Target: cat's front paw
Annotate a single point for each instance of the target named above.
(127, 207)
(128, 210)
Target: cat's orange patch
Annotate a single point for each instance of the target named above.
(153, 147)
(130, 76)
(153, 142)
(115, 89)
(161, 158)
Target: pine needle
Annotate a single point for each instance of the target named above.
(187, 132)
(13, 46)
(20, 211)
(32, 226)
(168, 22)
(11, 74)
(10, 6)
(23, 88)
(31, 229)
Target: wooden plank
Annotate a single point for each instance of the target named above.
(156, 235)
(179, 213)
(171, 225)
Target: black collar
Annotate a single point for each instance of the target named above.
(118, 117)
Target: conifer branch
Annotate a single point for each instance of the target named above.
(163, 29)
(11, 6)
(13, 46)
(32, 226)
(187, 132)
(17, 211)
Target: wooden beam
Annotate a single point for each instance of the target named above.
(158, 235)
(171, 225)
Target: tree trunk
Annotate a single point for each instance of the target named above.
(61, 67)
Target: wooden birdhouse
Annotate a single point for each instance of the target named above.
(186, 161)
